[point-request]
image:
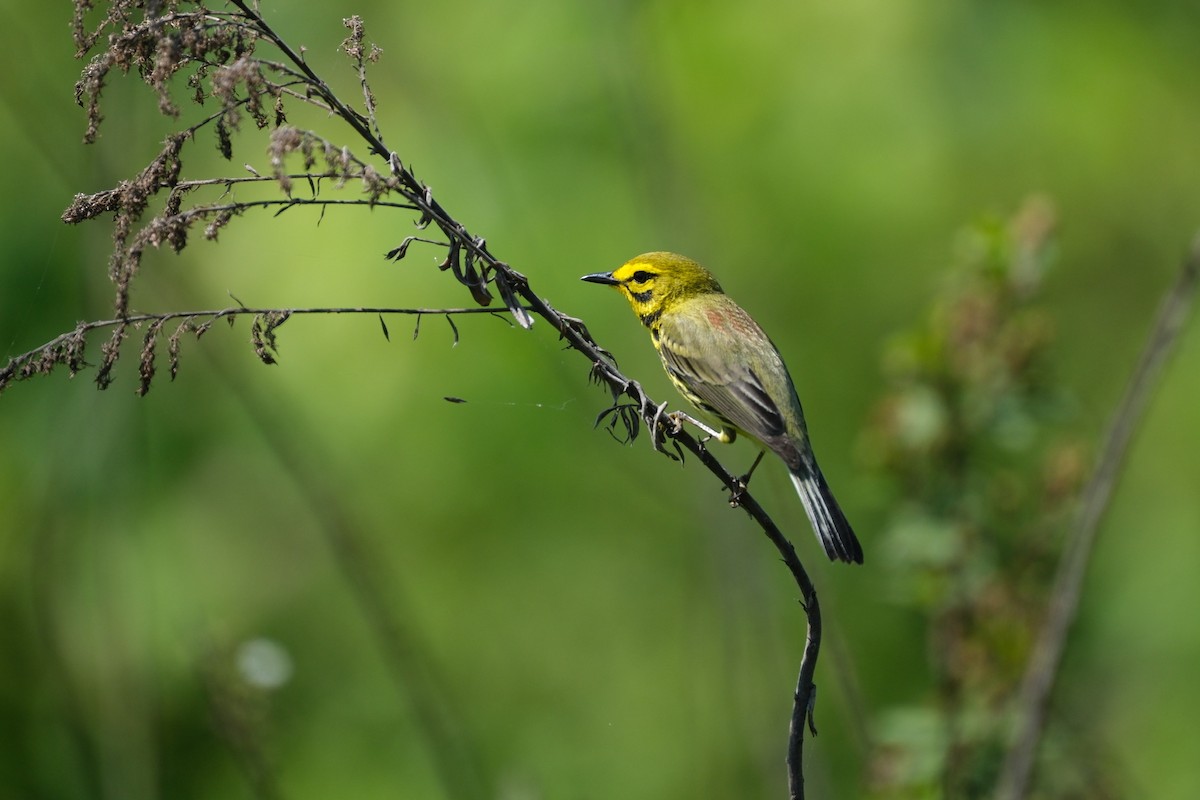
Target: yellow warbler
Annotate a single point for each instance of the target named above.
(720, 360)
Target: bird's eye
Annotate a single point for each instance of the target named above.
(641, 276)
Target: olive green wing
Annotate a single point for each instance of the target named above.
(714, 353)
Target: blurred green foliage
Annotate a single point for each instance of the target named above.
(973, 437)
(590, 619)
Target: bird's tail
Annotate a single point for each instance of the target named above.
(828, 521)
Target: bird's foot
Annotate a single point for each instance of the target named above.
(738, 492)
(743, 483)
(679, 417)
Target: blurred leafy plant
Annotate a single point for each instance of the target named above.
(969, 436)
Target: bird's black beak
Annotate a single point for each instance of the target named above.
(601, 277)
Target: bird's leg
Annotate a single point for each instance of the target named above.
(744, 481)
(679, 417)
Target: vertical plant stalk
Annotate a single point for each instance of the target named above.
(1042, 671)
(805, 699)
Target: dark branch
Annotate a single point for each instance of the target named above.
(67, 349)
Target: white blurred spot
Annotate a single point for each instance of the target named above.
(264, 663)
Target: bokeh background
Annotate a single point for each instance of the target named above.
(585, 618)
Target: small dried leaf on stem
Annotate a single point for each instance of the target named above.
(110, 352)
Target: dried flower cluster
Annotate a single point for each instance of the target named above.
(216, 54)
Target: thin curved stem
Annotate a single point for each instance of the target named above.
(1042, 671)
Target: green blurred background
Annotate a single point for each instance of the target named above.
(591, 619)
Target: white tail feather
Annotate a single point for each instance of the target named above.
(828, 522)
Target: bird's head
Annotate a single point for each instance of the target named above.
(653, 282)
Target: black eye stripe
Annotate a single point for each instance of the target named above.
(641, 276)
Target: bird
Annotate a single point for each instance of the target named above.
(722, 362)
